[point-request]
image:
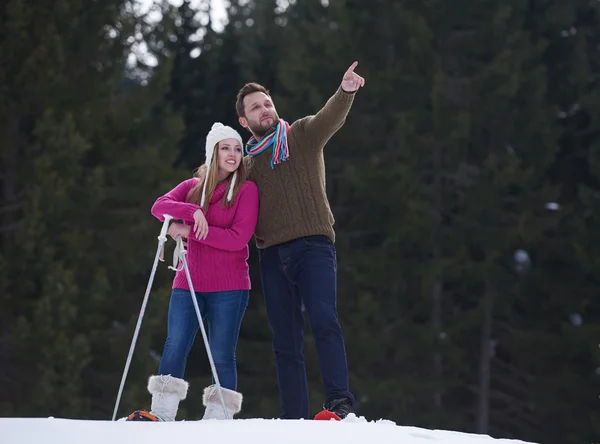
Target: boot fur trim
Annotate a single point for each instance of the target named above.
(167, 384)
(233, 400)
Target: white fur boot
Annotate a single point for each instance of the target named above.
(214, 408)
(166, 392)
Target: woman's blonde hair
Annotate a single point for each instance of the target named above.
(195, 194)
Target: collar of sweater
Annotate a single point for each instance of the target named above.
(219, 192)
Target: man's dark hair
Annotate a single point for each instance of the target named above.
(248, 88)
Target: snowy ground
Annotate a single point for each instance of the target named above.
(353, 430)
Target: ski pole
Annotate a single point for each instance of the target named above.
(162, 238)
(182, 253)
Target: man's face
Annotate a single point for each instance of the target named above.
(261, 115)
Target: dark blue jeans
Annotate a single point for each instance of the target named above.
(224, 311)
(304, 271)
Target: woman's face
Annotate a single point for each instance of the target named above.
(229, 156)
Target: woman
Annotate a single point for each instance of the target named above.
(219, 210)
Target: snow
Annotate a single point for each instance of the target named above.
(353, 430)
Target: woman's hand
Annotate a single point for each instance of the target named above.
(178, 229)
(200, 225)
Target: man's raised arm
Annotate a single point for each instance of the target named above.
(320, 127)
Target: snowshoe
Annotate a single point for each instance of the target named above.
(336, 409)
(326, 415)
(142, 415)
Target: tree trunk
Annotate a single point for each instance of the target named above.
(437, 296)
(9, 207)
(483, 404)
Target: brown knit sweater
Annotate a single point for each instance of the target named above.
(293, 199)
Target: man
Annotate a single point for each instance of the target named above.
(295, 240)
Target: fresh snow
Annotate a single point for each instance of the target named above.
(353, 430)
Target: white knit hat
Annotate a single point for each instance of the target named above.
(217, 133)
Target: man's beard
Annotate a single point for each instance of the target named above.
(260, 130)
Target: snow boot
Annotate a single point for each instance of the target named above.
(166, 392)
(214, 408)
(336, 409)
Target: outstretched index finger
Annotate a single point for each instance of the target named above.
(351, 69)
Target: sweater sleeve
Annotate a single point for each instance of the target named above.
(320, 127)
(173, 203)
(238, 235)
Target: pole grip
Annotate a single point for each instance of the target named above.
(163, 232)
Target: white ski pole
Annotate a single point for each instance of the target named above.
(182, 253)
(162, 238)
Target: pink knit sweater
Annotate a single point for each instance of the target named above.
(219, 262)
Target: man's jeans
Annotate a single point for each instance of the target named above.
(304, 271)
(224, 311)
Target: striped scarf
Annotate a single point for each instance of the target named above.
(278, 139)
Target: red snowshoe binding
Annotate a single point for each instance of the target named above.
(142, 415)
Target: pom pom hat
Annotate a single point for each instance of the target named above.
(217, 133)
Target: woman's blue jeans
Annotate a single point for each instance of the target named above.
(223, 311)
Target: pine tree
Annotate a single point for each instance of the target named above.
(85, 154)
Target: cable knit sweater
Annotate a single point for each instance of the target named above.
(293, 198)
(219, 262)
